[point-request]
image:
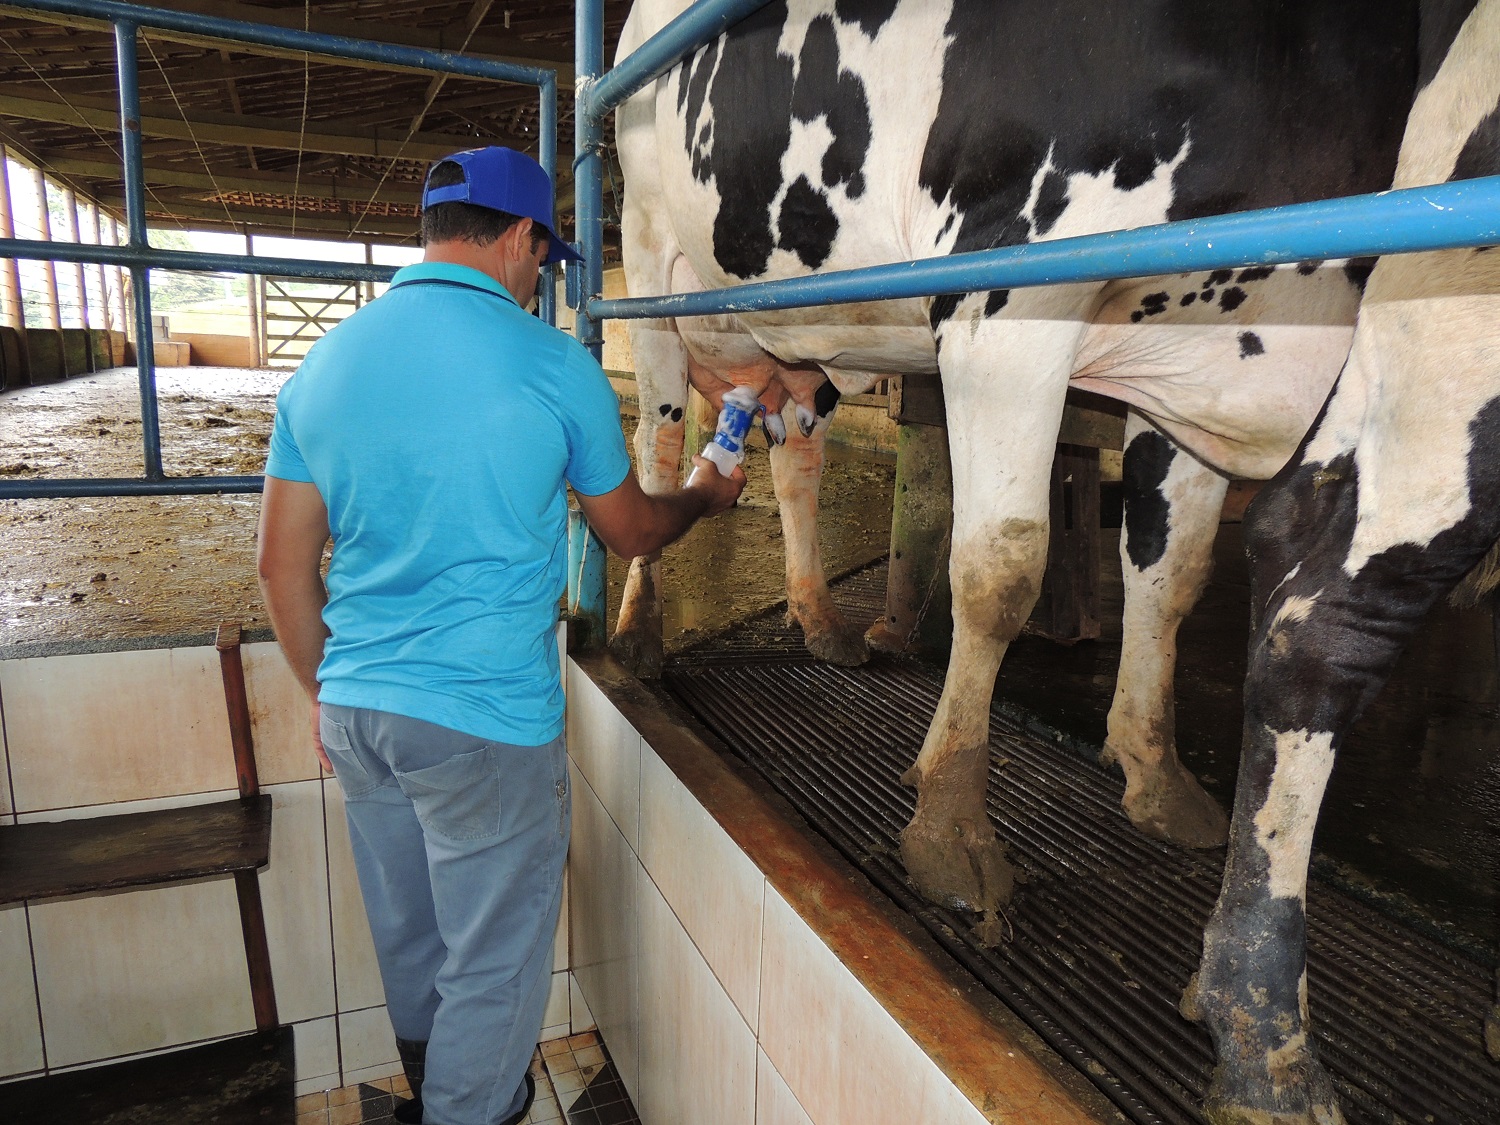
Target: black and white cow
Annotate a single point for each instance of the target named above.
(834, 134)
(1394, 496)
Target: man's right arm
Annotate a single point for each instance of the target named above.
(633, 523)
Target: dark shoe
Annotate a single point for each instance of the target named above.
(520, 1114)
(408, 1112)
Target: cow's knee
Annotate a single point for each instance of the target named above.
(996, 573)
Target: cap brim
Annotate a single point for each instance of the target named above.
(559, 251)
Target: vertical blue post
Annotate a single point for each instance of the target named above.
(135, 223)
(586, 592)
(547, 155)
(587, 557)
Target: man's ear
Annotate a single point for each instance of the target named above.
(518, 238)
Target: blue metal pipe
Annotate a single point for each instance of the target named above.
(586, 590)
(191, 261)
(588, 169)
(700, 24)
(1440, 217)
(587, 556)
(293, 39)
(125, 486)
(128, 68)
(547, 153)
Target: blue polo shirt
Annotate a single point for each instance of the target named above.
(439, 424)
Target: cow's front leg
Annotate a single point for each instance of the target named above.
(1004, 382)
(661, 385)
(1172, 506)
(796, 472)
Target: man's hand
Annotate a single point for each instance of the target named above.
(720, 491)
(317, 733)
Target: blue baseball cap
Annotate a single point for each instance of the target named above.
(503, 179)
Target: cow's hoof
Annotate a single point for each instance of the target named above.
(1188, 1006)
(1492, 1033)
(1172, 806)
(960, 866)
(1319, 1104)
(639, 652)
(843, 646)
(881, 638)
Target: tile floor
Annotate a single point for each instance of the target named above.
(576, 1084)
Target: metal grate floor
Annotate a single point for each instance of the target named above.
(1108, 926)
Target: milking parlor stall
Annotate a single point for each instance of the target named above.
(1150, 350)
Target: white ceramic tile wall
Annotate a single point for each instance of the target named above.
(697, 1055)
(118, 726)
(355, 970)
(774, 1102)
(607, 749)
(280, 716)
(20, 1033)
(557, 1020)
(172, 970)
(578, 1008)
(5, 801)
(713, 886)
(317, 1048)
(294, 892)
(603, 917)
(366, 1041)
(840, 1052)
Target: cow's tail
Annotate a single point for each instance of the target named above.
(1478, 583)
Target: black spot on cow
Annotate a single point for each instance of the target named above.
(871, 15)
(1147, 459)
(1153, 304)
(1231, 299)
(946, 227)
(1137, 316)
(1480, 155)
(1187, 299)
(996, 301)
(1254, 273)
(807, 223)
(824, 89)
(665, 408)
(1306, 268)
(1051, 201)
(1250, 344)
(1358, 271)
(1208, 296)
(1218, 277)
(943, 309)
(825, 399)
(754, 93)
(677, 414)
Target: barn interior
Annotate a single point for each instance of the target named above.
(738, 942)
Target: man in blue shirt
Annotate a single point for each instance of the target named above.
(430, 435)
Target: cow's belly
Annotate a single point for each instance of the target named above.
(1239, 386)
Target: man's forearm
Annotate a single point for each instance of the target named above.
(671, 514)
(296, 609)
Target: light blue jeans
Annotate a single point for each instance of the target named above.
(459, 844)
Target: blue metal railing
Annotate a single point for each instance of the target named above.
(1445, 216)
(139, 256)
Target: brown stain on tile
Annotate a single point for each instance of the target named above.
(993, 1068)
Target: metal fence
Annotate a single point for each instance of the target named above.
(140, 257)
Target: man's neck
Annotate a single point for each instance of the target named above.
(459, 253)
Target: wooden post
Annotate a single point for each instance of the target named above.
(1068, 609)
(120, 295)
(14, 310)
(44, 224)
(104, 309)
(369, 286)
(252, 294)
(918, 598)
(71, 202)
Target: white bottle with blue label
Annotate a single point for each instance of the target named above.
(727, 449)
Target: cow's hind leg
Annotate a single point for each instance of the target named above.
(661, 383)
(1004, 382)
(1172, 506)
(796, 472)
(1346, 559)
